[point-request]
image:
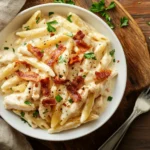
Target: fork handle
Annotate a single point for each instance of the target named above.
(114, 141)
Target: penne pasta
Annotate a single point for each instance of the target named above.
(57, 73)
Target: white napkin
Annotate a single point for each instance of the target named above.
(8, 10)
(11, 139)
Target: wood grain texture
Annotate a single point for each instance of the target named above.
(135, 47)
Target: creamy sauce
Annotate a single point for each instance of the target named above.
(15, 48)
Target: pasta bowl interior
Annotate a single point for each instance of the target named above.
(62, 70)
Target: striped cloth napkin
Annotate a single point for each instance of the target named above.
(11, 139)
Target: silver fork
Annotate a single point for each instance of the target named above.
(142, 105)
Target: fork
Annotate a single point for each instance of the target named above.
(142, 105)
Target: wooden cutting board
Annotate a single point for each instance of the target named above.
(138, 61)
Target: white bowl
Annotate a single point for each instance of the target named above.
(103, 28)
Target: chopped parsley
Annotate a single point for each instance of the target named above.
(42, 51)
(98, 6)
(27, 102)
(25, 121)
(124, 22)
(27, 28)
(109, 98)
(46, 111)
(22, 114)
(70, 101)
(70, 2)
(67, 1)
(69, 18)
(50, 13)
(58, 98)
(112, 52)
(114, 60)
(61, 59)
(25, 43)
(59, 1)
(6, 48)
(50, 28)
(108, 19)
(70, 34)
(111, 6)
(36, 113)
(84, 76)
(13, 50)
(106, 15)
(148, 23)
(111, 25)
(57, 45)
(37, 20)
(90, 55)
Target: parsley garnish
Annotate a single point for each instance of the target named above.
(90, 55)
(111, 6)
(114, 60)
(46, 111)
(50, 13)
(50, 28)
(37, 20)
(109, 98)
(58, 98)
(27, 102)
(70, 34)
(69, 18)
(98, 6)
(112, 52)
(36, 113)
(61, 59)
(27, 28)
(124, 22)
(13, 50)
(67, 1)
(6, 48)
(22, 114)
(59, 1)
(106, 15)
(148, 23)
(57, 45)
(42, 51)
(111, 25)
(70, 101)
(84, 76)
(70, 2)
(25, 43)
(25, 121)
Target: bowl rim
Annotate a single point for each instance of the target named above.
(111, 31)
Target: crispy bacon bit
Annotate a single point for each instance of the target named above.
(30, 76)
(102, 75)
(45, 86)
(72, 88)
(73, 93)
(55, 54)
(57, 80)
(82, 46)
(79, 35)
(52, 34)
(35, 51)
(74, 60)
(49, 101)
(18, 62)
(78, 82)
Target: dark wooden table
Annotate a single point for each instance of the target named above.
(138, 135)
